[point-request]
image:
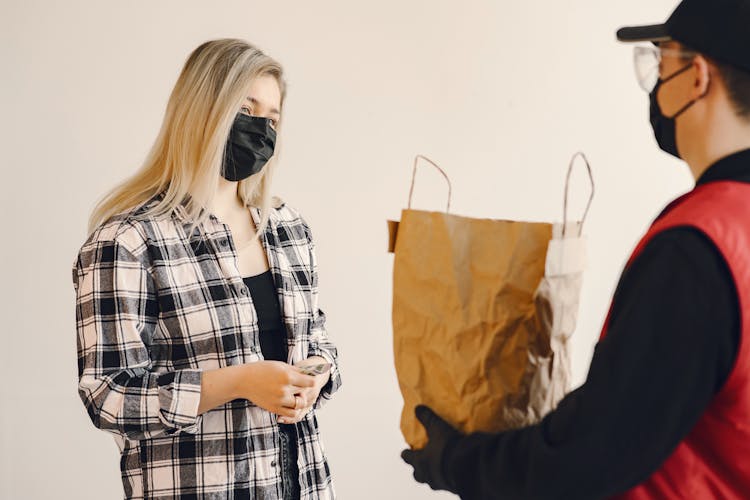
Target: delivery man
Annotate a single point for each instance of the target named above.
(665, 410)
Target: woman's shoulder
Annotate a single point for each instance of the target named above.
(290, 218)
(284, 212)
(127, 229)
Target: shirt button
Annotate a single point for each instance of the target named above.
(273, 464)
(223, 242)
(243, 291)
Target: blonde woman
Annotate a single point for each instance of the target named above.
(196, 296)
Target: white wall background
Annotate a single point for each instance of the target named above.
(500, 93)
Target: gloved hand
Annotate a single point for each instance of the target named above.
(428, 462)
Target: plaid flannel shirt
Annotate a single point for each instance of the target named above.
(155, 307)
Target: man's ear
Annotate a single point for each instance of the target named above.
(703, 75)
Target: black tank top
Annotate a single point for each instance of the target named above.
(272, 330)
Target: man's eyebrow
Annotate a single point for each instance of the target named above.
(255, 101)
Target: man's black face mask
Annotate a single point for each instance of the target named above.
(665, 127)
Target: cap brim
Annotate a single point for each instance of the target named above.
(650, 33)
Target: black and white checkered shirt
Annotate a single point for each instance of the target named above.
(155, 306)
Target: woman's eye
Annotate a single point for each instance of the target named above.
(247, 111)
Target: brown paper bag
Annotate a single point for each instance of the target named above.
(482, 311)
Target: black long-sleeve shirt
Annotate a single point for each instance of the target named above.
(671, 344)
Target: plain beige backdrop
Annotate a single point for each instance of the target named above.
(500, 93)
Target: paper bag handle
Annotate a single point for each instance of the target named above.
(567, 189)
(414, 177)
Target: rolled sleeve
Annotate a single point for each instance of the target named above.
(179, 397)
(116, 317)
(320, 344)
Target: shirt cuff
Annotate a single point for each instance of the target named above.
(179, 397)
(334, 378)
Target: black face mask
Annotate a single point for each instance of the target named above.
(251, 142)
(665, 127)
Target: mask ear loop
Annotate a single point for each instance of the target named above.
(686, 106)
(567, 189)
(414, 176)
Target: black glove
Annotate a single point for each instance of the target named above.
(428, 462)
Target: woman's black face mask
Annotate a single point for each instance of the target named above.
(251, 143)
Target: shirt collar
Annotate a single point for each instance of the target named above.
(180, 212)
(735, 167)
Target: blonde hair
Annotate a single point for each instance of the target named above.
(187, 156)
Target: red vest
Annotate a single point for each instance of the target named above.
(713, 460)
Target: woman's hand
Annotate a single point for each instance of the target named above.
(306, 398)
(276, 387)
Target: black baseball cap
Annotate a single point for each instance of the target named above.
(719, 29)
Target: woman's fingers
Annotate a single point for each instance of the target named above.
(310, 396)
(303, 400)
(298, 417)
(286, 412)
(295, 401)
(300, 380)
